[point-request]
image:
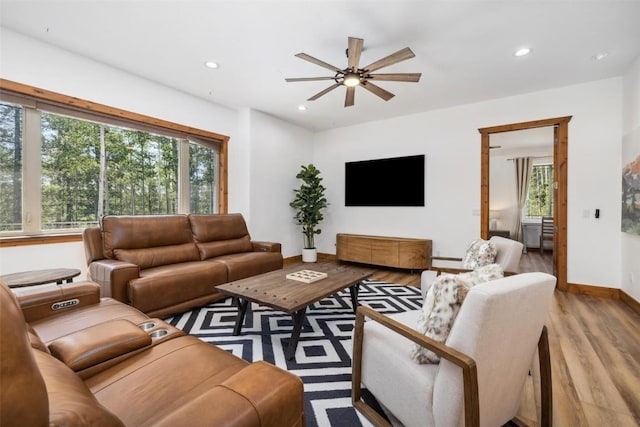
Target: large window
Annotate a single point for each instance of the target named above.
(10, 167)
(202, 172)
(62, 170)
(540, 194)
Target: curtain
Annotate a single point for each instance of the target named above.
(523, 173)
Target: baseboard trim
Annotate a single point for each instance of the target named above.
(604, 292)
(292, 259)
(298, 258)
(592, 290)
(630, 301)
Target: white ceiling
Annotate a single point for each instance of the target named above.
(464, 49)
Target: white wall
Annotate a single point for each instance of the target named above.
(451, 142)
(278, 149)
(631, 148)
(34, 257)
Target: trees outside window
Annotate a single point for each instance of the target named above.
(89, 169)
(202, 173)
(540, 194)
(10, 167)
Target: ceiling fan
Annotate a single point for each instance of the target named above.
(353, 75)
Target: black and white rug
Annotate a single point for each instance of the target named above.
(323, 355)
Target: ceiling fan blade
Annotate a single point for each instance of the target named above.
(308, 79)
(350, 97)
(396, 77)
(323, 92)
(354, 51)
(318, 62)
(377, 90)
(400, 55)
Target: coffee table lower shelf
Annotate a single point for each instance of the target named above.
(274, 290)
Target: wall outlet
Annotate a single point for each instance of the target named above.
(585, 213)
(631, 278)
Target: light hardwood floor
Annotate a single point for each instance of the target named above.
(595, 356)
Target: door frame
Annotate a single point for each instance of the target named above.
(560, 163)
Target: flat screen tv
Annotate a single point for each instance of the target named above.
(397, 181)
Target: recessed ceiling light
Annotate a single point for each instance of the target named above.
(211, 64)
(599, 56)
(302, 107)
(523, 52)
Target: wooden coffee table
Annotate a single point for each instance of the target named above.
(274, 290)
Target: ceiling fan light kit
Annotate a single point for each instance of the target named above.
(353, 76)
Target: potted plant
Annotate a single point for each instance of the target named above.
(308, 202)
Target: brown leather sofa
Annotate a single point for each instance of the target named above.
(166, 264)
(69, 357)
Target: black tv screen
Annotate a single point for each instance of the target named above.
(397, 181)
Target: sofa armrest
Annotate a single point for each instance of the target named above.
(259, 395)
(38, 302)
(113, 277)
(92, 239)
(266, 246)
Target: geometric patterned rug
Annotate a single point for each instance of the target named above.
(323, 355)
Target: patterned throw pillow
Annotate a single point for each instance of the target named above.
(479, 253)
(442, 303)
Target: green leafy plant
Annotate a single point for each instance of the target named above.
(308, 203)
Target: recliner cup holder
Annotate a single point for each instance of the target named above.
(147, 325)
(159, 333)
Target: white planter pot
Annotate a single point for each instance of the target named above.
(309, 255)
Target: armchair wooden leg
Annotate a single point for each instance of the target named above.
(546, 389)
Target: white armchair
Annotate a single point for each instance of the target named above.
(508, 257)
(485, 360)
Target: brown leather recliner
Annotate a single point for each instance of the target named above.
(166, 264)
(100, 366)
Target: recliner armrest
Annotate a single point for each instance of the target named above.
(266, 246)
(99, 343)
(38, 302)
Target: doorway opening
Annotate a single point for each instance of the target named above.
(560, 127)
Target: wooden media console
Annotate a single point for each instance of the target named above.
(399, 252)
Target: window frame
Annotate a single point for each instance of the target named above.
(33, 98)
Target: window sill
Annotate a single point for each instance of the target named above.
(40, 239)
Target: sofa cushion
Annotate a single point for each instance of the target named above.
(210, 228)
(70, 401)
(168, 285)
(249, 264)
(224, 247)
(221, 234)
(442, 303)
(154, 257)
(144, 231)
(161, 381)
